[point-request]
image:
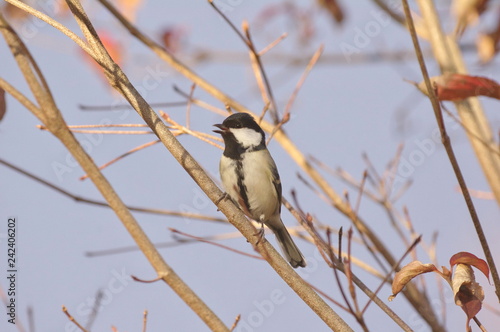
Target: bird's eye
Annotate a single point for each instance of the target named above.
(237, 125)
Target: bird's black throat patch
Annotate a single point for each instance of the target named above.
(235, 150)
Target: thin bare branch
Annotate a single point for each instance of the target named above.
(236, 321)
(200, 239)
(144, 320)
(272, 44)
(104, 204)
(73, 320)
(309, 67)
(388, 276)
(95, 310)
(138, 148)
(127, 106)
(160, 245)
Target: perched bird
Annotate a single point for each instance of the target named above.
(251, 179)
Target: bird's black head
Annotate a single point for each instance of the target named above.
(241, 133)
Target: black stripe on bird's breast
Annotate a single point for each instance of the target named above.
(242, 189)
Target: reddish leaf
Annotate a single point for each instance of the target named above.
(458, 87)
(469, 295)
(407, 273)
(470, 259)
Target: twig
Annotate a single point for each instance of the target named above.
(394, 15)
(479, 324)
(31, 319)
(329, 298)
(333, 258)
(261, 76)
(347, 264)
(146, 281)
(95, 310)
(236, 321)
(188, 106)
(309, 67)
(296, 59)
(263, 113)
(109, 132)
(451, 154)
(186, 130)
(284, 119)
(492, 149)
(200, 103)
(72, 319)
(127, 106)
(272, 44)
(323, 248)
(480, 194)
(101, 203)
(200, 239)
(144, 320)
(109, 163)
(159, 245)
(360, 193)
(388, 276)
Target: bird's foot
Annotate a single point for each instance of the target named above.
(224, 196)
(260, 233)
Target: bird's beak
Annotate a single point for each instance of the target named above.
(222, 130)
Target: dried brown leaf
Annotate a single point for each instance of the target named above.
(407, 273)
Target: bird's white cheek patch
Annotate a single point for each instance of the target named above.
(247, 137)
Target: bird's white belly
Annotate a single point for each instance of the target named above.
(258, 180)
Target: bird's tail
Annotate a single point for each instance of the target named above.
(289, 248)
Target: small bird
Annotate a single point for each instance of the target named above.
(251, 179)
